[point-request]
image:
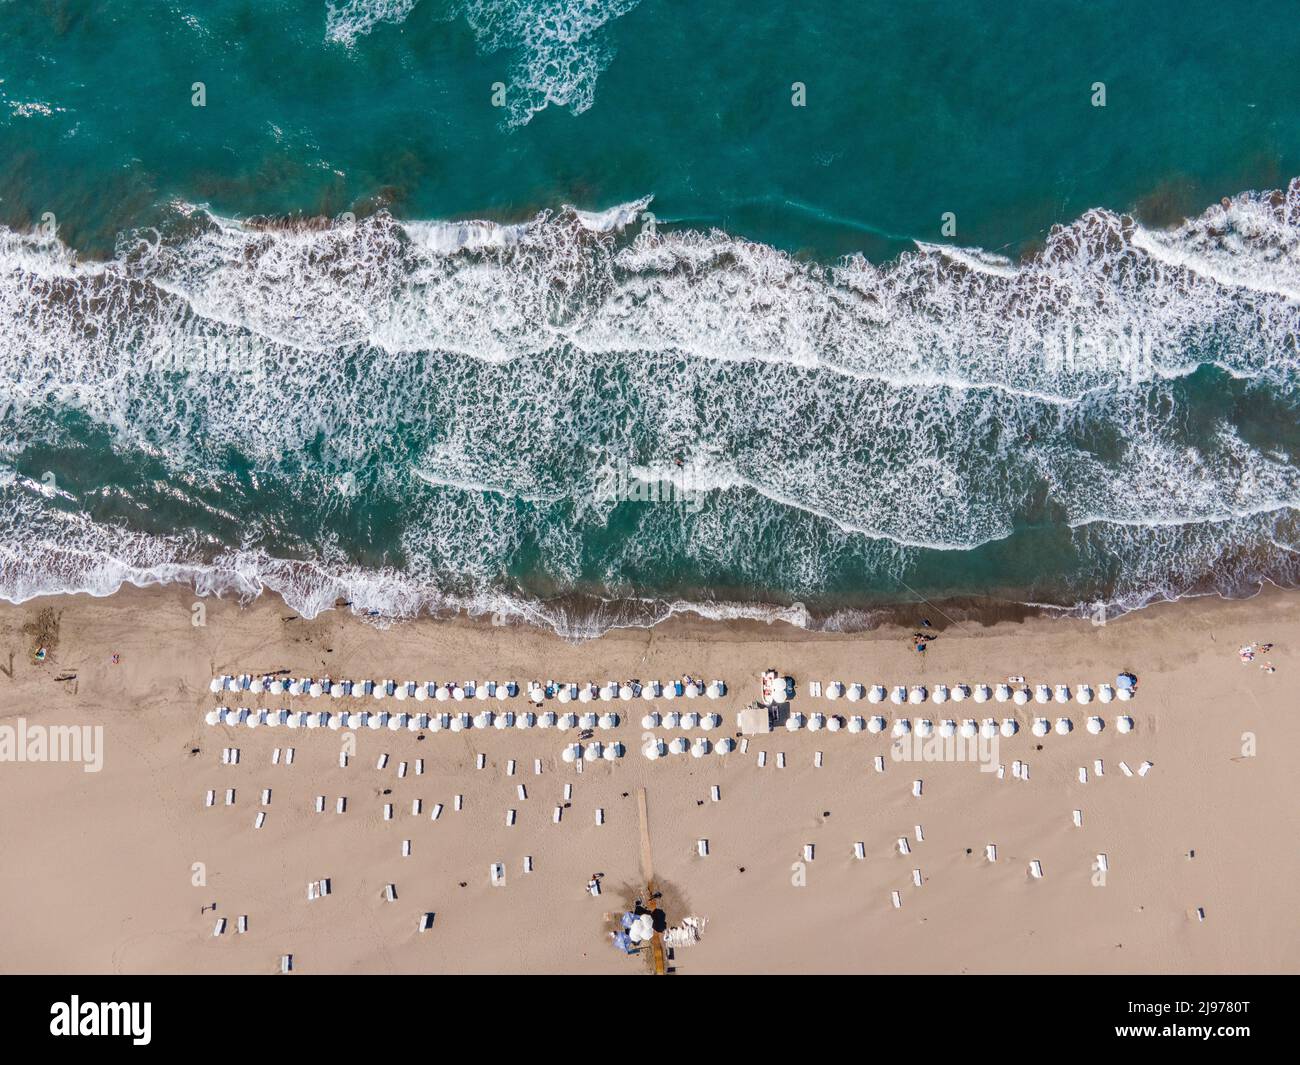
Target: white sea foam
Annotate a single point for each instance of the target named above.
(836, 420)
(346, 20)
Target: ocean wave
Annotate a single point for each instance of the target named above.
(448, 401)
(346, 20)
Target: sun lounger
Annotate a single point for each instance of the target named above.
(388, 811)
(1123, 768)
(241, 926)
(390, 892)
(510, 818)
(991, 852)
(916, 877)
(860, 851)
(406, 848)
(210, 799)
(275, 756)
(437, 812)
(1098, 768)
(288, 756)
(559, 812)
(1036, 869)
(916, 788)
(880, 763)
(313, 892)
(920, 836)
(568, 792)
(426, 922)
(715, 793)
(416, 806)
(286, 963)
(324, 885)
(341, 805)
(458, 803)
(780, 759)
(343, 760)
(1144, 769)
(510, 767)
(401, 770)
(903, 846)
(537, 767)
(230, 796)
(522, 792)
(817, 760)
(266, 796)
(528, 863)
(1078, 818)
(897, 899)
(1002, 772)
(600, 815)
(219, 928)
(1083, 775)
(260, 819)
(419, 767)
(702, 847)
(762, 759)
(320, 804)
(497, 874)
(383, 762)
(1102, 864)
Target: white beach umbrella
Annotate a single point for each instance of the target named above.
(710, 721)
(567, 721)
(724, 746)
(380, 690)
(525, 720)
(625, 692)
(924, 727)
(254, 719)
(456, 722)
(856, 724)
(947, 729)
(899, 695)
(276, 687)
(1002, 693)
(876, 725)
(877, 694)
(292, 721)
(917, 694)
(607, 693)
(1124, 723)
(690, 720)
(571, 753)
(1083, 694)
(608, 721)
(315, 689)
(397, 722)
(334, 722)
(537, 695)
(650, 690)
(678, 746)
(441, 693)
(457, 693)
(546, 719)
(357, 721)
(587, 720)
(593, 752)
(902, 727)
(212, 717)
(670, 691)
(834, 690)
(295, 687)
(1062, 693)
(982, 693)
(651, 720)
(422, 692)
(959, 693)
(584, 694)
(654, 749)
(613, 752)
(1021, 696)
(794, 722)
(1095, 725)
(969, 729)
(256, 685)
(1125, 694)
(483, 719)
(834, 723)
(1010, 726)
(816, 723)
(989, 728)
(1041, 726)
(401, 691)
(714, 690)
(693, 690)
(565, 693)
(1042, 694)
(672, 719)
(855, 692)
(1064, 726)
(417, 722)
(504, 721)
(216, 685)
(336, 691)
(941, 693)
(378, 721)
(1105, 693)
(700, 747)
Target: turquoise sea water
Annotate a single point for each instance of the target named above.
(949, 329)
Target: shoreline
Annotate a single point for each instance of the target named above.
(101, 869)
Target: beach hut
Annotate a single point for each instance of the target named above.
(917, 694)
(1002, 692)
(902, 727)
(1124, 723)
(678, 746)
(1064, 726)
(924, 727)
(794, 722)
(856, 724)
(877, 694)
(1010, 727)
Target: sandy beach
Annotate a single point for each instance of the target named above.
(116, 871)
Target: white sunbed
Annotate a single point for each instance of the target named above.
(260, 819)
(220, 927)
(437, 812)
(860, 851)
(702, 847)
(341, 804)
(916, 877)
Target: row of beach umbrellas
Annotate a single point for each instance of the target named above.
(358, 719)
(969, 727)
(485, 689)
(658, 748)
(982, 693)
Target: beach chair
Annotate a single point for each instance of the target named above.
(220, 927)
(260, 819)
(286, 963)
